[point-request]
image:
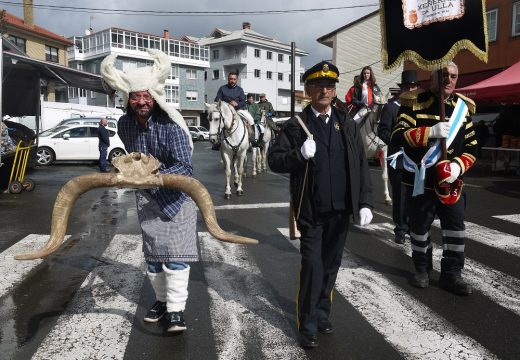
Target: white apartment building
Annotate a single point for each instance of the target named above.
(184, 87)
(263, 65)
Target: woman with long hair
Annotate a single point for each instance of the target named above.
(364, 90)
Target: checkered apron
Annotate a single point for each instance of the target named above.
(164, 239)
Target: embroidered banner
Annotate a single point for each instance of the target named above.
(423, 12)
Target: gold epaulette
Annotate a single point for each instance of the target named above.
(411, 99)
(470, 103)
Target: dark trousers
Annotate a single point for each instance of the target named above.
(321, 249)
(421, 211)
(102, 157)
(399, 214)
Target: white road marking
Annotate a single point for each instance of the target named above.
(414, 330)
(514, 218)
(244, 309)
(98, 321)
(499, 287)
(252, 206)
(14, 271)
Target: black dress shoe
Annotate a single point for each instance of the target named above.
(325, 327)
(309, 341)
(454, 284)
(421, 280)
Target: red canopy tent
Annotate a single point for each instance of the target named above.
(504, 87)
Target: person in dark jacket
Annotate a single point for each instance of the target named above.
(232, 93)
(384, 132)
(329, 182)
(104, 144)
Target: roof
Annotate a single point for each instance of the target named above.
(36, 30)
(325, 38)
(219, 36)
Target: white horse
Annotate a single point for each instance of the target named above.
(375, 148)
(226, 127)
(260, 152)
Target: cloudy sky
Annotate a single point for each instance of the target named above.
(301, 27)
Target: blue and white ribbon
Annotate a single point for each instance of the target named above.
(433, 154)
(393, 158)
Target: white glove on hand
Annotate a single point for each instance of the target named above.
(308, 149)
(455, 172)
(440, 130)
(365, 216)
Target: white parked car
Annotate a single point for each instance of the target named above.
(75, 142)
(199, 133)
(112, 123)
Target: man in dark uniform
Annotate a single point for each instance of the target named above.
(384, 131)
(329, 182)
(232, 93)
(417, 131)
(104, 143)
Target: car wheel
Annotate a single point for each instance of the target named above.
(45, 156)
(116, 153)
(201, 138)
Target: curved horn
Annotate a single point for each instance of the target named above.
(73, 189)
(113, 77)
(161, 64)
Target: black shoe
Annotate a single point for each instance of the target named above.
(399, 239)
(454, 284)
(309, 341)
(325, 327)
(421, 280)
(175, 321)
(156, 313)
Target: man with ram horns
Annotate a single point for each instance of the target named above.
(167, 217)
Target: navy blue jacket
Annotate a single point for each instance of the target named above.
(226, 93)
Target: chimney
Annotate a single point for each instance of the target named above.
(28, 14)
(166, 34)
(246, 25)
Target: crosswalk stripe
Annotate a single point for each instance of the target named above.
(244, 309)
(514, 218)
(399, 317)
(98, 322)
(499, 287)
(14, 271)
(491, 237)
(252, 206)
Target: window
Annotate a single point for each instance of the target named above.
(215, 74)
(269, 55)
(174, 72)
(290, 77)
(257, 73)
(492, 17)
(280, 57)
(257, 53)
(280, 76)
(215, 54)
(19, 42)
(290, 59)
(269, 75)
(191, 73)
(172, 94)
(516, 19)
(192, 95)
(51, 54)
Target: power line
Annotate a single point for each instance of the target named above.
(182, 13)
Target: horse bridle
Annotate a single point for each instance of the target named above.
(221, 131)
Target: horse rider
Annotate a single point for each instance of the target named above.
(266, 106)
(364, 92)
(384, 131)
(329, 182)
(255, 112)
(231, 92)
(350, 93)
(436, 184)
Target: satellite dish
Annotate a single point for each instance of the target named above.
(88, 31)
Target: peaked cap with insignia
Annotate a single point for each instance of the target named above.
(322, 70)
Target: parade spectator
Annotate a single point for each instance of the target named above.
(365, 89)
(232, 93)
(384, 131)
(167, 217)
(350, 93)
(104, 144)
(416, 132)
(329, 182)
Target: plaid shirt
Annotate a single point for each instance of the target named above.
(167, 142)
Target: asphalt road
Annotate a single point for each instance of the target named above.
(87, 300)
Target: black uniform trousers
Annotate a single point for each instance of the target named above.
(321, 249)
(399, 214)
(421, 211)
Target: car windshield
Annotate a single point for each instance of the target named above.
(52, 131)
(202, 128)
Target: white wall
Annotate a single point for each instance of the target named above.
(52, 112)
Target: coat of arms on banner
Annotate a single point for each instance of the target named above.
(418, 13)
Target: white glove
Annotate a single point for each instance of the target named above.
(308, 149)
(440, 130)
(365, 216)
(455, 172)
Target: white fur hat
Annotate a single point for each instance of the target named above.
(146, 78)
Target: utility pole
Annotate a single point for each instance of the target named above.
(293, 76)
